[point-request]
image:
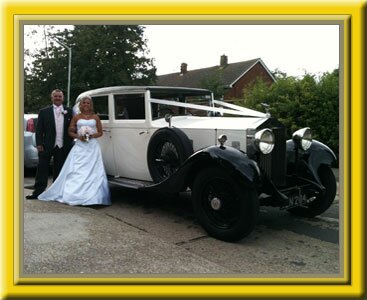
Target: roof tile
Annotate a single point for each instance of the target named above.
(194, 78)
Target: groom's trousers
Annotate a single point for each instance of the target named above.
(44, 159)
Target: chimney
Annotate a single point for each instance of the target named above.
(223, 60)
(183, 68)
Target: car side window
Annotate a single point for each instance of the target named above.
(100, 105)
(129, 106)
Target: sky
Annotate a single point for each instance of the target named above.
(293, 49)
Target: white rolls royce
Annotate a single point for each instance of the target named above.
(233, 159)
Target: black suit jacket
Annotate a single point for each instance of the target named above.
(46, 128)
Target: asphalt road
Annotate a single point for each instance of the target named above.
(145, 234)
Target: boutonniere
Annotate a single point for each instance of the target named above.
(64, 111)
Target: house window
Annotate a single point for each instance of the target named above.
(100, 105)
(129, 106)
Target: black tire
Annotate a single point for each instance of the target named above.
(224, 208)
(167, 150)
(323, 200)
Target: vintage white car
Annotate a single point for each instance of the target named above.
(233, 159)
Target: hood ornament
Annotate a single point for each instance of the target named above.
(168, 118)
(222, 139)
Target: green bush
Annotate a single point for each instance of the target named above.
(301, 102)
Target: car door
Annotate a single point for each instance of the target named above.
(130, 136)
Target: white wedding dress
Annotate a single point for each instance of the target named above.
(82, 180)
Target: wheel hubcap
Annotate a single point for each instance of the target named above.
(215, 203)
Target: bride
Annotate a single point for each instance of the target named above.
(82, 180)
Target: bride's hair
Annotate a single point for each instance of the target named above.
(91, 103)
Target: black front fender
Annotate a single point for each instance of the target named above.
(236, 162)
(318, 154)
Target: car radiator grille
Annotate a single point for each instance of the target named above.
(274, 164)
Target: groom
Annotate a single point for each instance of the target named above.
(52, 140)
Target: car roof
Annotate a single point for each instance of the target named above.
(141, 89)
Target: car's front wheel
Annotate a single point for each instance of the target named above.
(225, 209)
(323, 200)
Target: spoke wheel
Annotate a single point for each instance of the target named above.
(322, 200)
(166, 159)
(223, 207)
(167, 150)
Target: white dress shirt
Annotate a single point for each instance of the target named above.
(59, 124)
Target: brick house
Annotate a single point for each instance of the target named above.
(233, 77)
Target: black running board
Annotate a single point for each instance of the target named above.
(129, 183)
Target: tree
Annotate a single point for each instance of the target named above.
(326, 121)
(301, 102)
(102, 55)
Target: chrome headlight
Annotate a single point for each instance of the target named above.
(302, 138)
(264, 140)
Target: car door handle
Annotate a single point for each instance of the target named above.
(145, 131)
(106, 130)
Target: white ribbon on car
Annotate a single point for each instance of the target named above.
(233, 109)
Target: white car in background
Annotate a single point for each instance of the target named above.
(234, 159)
(30, 147)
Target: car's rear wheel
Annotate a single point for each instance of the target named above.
(167, 150)
(323, 200)
(225, 209)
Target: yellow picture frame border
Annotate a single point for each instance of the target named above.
(352, 14)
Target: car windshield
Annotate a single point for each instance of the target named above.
(159, 110)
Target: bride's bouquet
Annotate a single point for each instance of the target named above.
(86, 132)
